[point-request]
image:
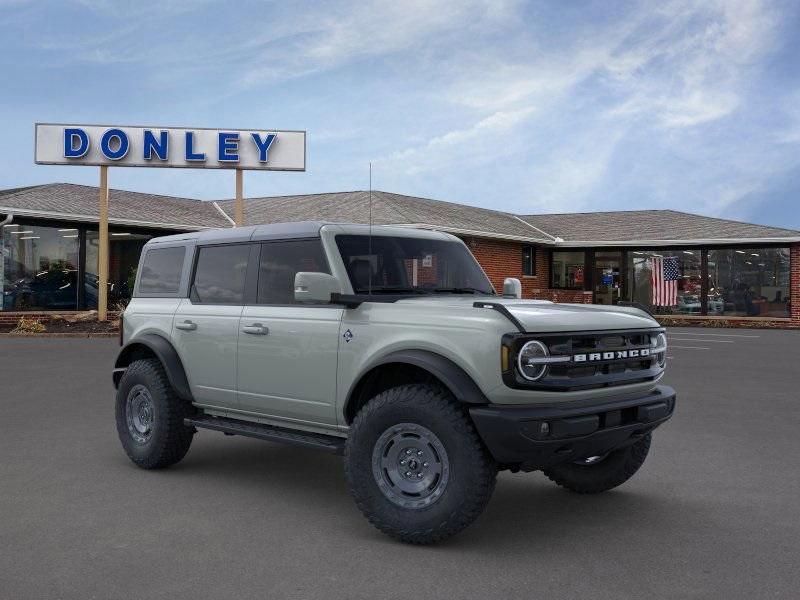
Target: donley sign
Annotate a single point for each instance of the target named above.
(178, 147)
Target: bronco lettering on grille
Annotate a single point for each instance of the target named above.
(615, 355)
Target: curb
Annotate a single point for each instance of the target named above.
(58, 335)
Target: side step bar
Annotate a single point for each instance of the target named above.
(319, 441)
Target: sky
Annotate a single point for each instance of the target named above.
(527, 107)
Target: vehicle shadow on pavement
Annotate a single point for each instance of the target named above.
(526, 509)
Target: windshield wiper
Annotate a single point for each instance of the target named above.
(461, 290)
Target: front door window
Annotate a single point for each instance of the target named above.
(607, 278)
(124, 250)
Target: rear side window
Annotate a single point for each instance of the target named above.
(280, 262)
(220, 274)
(161, 271)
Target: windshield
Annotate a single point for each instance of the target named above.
(399, 265)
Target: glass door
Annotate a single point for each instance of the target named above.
(124, 250)
(607, 276)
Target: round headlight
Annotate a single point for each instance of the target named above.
(527, 362)
(659, 343)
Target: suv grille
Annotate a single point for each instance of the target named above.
(603, 359)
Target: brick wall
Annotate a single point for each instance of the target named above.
(502, 259)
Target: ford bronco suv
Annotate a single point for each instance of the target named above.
(390, 346)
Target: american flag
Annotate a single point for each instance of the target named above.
(664, 277)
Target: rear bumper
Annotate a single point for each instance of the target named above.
(532, 437)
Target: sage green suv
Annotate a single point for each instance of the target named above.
(388, 345)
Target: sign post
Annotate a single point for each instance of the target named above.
(172, 147)
(102, 255)
(239, 209)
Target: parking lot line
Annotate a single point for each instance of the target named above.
(736, 335)
(701, 340)
(690, 347)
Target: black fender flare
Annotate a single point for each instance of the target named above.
(452, 376)
(165, 352)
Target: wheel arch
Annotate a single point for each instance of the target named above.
(151, 345)
(407, 366)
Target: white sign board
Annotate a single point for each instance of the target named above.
(189, 148)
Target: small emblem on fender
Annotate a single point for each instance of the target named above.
(347, 335)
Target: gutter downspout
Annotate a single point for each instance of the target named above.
(556, 239)
(224, 214)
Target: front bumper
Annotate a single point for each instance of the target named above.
(534, 437)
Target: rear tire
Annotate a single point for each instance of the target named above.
(415, 465)
(606, 473)
(150, 416)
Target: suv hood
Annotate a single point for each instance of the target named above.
(542, 315)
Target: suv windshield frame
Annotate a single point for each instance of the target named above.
(410, 266)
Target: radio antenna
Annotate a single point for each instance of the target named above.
(369, 253)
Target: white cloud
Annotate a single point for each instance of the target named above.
(670, 70)
(534, 106)
(332, 37)
(483, 140)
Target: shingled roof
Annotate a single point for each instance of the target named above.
(67, 201)
(387, 209)
(72, 202)
(663, 226)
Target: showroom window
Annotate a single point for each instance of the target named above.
(748, 282)
(666, 281)
(568, 270)
(529, 261)
(39, 268)
(125, 247)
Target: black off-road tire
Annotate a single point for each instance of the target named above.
(609, 472)
(469, 478)
(168, 439)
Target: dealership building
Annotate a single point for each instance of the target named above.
(717, 271)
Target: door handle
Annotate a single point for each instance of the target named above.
(255, 329)
(186, 326)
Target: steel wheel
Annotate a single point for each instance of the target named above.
(139, 413)
(410, 465)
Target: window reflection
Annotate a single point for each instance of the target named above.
(568, 270)
(666, 281)
(39, 268)
(746, 282)
(125, 247)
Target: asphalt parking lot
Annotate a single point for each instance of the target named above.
(714, 512)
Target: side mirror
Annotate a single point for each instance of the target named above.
(315, 287)
(512, 288)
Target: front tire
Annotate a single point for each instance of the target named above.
(416, 466)
(150, 416)
(602, 473)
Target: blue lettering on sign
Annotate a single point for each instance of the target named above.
(122, 147)
(71, 136)
(190, 153)
(159, 146)
(228, 147)
(263, 145)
